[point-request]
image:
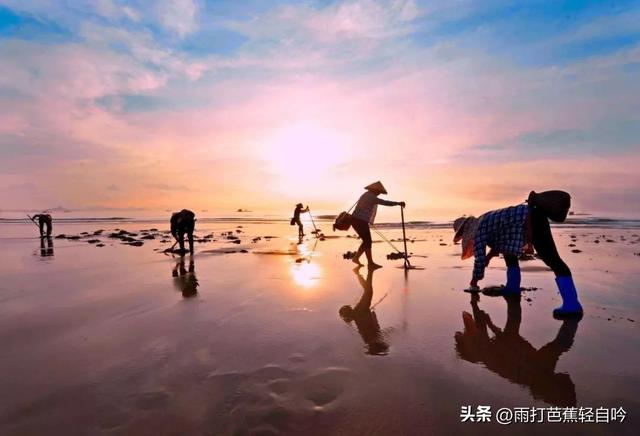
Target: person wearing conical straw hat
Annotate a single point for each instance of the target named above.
(511, 232)
(364, 215)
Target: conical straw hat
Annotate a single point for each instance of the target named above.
(376, 187)
(465, 228)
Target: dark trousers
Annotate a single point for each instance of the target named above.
(543, 243)
(42, 224)
(188, 230)
(362, 229)
(300, 226)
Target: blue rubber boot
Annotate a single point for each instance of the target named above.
(571, 307)
(513, 280)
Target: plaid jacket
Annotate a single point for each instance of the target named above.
(503, 230)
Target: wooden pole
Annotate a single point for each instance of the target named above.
(314, 224)
(170, 250)
(404, 239)
(34, 223)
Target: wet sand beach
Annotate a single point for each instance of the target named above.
(102, 335)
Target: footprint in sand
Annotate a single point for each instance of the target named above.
(326, 386)
(297, 358)
(279, 386)
(271, 372)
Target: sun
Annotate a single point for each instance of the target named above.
(305, 153)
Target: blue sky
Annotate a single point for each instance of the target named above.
(505, 28)
(101, 91)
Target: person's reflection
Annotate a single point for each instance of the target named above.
(511, 356)
(48, 250)
(185, 280)
(365, 318)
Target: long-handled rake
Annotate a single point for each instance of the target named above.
(407, 264)
(36, 224)
(315, 229)
(405, 255)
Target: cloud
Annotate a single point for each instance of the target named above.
(168, 187)
(113, 9)
(214, 94)
(178, 16)
(609, 139)
(24, 186)
(355, 19)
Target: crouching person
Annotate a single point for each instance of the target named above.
(183, 222)
(43, 220)
(511, 232)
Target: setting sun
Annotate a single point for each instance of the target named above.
(303, 155)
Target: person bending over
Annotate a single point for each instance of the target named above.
(43, 219)
(511, 232)
(183, 222)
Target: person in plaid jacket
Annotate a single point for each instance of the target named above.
(511, 232)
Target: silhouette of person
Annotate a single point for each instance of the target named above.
(183, 222)
(296, 218)
(185, 280)
(364, 215)
(515, 230)
(512, 357)
(44, 219)
(48, 250)
(365, 318)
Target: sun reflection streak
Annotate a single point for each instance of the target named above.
(306, 274)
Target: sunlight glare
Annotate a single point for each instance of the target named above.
(305, 274)
(305, 152)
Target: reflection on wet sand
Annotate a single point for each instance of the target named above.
(185, 280)
(305, 274)
(119, 351)
(511, 356)
(365, 318)
(303, 271)
(48, 250)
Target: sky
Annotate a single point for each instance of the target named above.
(457, 106)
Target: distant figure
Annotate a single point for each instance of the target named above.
(512, 357)
(511, 232)
(43, 219)
(185, 281)
(296, 218)
(365, 318)
(183, 222)
(365, 215)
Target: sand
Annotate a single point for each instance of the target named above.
(103, 335)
